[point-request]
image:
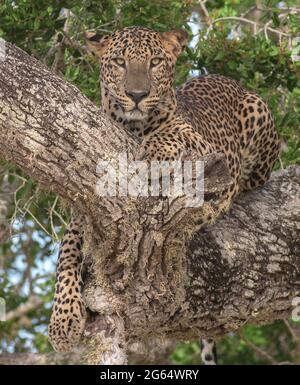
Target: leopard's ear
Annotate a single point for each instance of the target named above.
(175, 40)
(96, 43)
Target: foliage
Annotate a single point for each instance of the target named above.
(54, 35)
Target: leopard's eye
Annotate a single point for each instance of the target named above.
(119, 61)
(155, 61)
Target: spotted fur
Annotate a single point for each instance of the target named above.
(69, 311)
(207, 114)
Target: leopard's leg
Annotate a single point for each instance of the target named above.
(170, 142)
(208, 351)
(68, 311)
(181, 138)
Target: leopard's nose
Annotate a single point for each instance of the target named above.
(137, 96)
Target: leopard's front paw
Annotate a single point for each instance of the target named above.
(66, 323)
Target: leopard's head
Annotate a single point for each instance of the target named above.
(137, 66)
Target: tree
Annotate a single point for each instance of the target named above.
(288, 117)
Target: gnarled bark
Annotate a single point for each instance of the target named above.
(145, 279)
(151, 352)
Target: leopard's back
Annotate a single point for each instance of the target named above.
(234, 121)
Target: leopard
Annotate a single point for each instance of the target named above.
(207, 114)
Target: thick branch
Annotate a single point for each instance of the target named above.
(153, 352)
(54, 358)
(53, 132)
(244, 268)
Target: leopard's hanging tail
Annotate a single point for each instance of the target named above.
(208, 351)
(69, 311)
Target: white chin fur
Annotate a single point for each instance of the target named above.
(135, 115)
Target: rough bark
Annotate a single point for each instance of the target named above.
(72, 358)
(152, 353)
(145, 279)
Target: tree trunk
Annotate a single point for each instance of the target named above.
(145, 276)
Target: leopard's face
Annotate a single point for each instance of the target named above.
(137, 67)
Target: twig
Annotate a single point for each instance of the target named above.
(205, 11)
(265, 28)
(76, 45)
(236, 18)
(51, 219)
(295, 338)
(287, 9)
(258, 350)
(244, 14)
(38, 222)
(60, 218)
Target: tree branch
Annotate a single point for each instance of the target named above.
(153, 352)
(32, 303)
(73, 358)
